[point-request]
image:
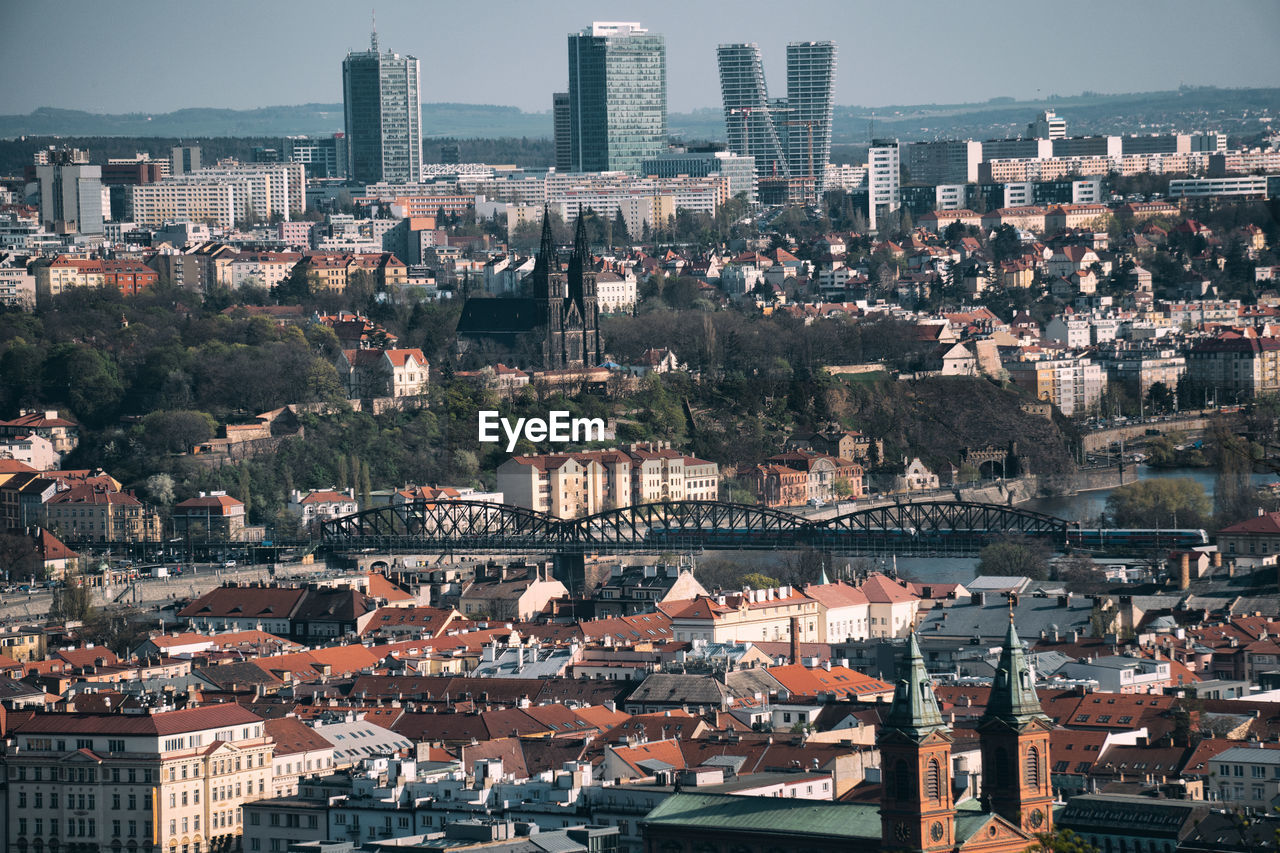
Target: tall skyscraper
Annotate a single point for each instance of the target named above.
(562, 130)
(617, 97)
(70, 192)
(748, 115)
(811, 72)
(383, 116)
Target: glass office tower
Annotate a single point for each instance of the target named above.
(748, 115)
(811, 71)
(383, 116)
(617, 97)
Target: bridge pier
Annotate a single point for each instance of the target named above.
(570, 570)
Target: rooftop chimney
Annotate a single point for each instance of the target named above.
(795, 639)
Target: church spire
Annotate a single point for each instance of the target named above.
(1013, 692)
(546, 262)
(578, 262)
(914, 711)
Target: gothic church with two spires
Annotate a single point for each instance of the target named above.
(555, 327)
(917, 812)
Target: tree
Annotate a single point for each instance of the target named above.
(175, 431)
(87, 379)
(246, 489)
(757, 580)
(71, 601)
(1077, 572)
(1061, 841)
(160, 489)
(1006, 244)
(1160, 397)
(1177, 502)
(121, 631)
(19, 559)
(1011, 558)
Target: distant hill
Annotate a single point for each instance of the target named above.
(455, 120)
(1234, 111)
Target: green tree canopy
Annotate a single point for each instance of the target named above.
(759, 580)
(1013, 559)
(175, 431)
(1176, 502)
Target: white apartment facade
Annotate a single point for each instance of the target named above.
(158, 782)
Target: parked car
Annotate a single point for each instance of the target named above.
(229, 564)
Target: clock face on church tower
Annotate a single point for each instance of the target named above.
(902, 831)
(937, 831)
(1037, 818)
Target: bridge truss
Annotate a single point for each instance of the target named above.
(925, 528)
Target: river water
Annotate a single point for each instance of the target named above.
(1084, 507)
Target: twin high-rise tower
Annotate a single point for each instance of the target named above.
(789, 138)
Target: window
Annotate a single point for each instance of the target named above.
(1033, 768)
(933, 781)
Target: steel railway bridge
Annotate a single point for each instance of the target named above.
(927, 528)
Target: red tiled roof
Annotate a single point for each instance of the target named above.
(244, 602)
(163, 723)
(1267, 523)
(292, 735)
(840, 680)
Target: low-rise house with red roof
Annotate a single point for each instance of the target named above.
(828, 682)
(127, 275)
(1254, 537)
(63, 433)
(417, 622)
(235, 607)
(322, 504)
(54, 558)
(383, 373)
(215, 515)
(297, 750)
(844, 611)
(748, 615)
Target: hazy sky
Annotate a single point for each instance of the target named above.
(160, 55)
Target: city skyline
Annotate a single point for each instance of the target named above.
(459, 67)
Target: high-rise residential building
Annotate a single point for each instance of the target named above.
(943, 162)
(562, 130)
(324, 157)
(184, 159)
(1048, 126)
(702, 162)
(811, 72)
(617, 96)
(748, 113)
(70, 192)
(790, 138)
(383, 116)
(884, 179)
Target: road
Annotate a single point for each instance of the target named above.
(148, 593)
